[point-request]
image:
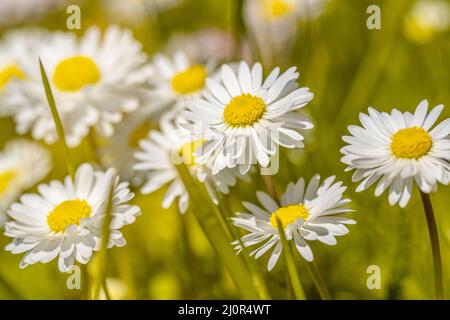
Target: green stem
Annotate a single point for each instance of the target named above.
(189, 258)
(318, 281)
(294, 278)
(270, 186)
(85, 294)
(105, 289)
(241, 33)
(56, 119)
(100, 275)
(435, 248)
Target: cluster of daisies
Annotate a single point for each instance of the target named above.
(145, 116)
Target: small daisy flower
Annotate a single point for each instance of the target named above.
(23, 163)
(307, 212)
(92, 86)
(158, 156)
(64, 220)
(178, 78)
(244, 118)
(397, 149)
(427, 19)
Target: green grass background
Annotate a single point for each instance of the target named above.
(348, 68)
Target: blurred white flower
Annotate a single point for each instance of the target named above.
(243, 118)
(95, 80)
(16, 48)
(274, 22)
(157, 159)
(426, 19)
(398, 149)
(118, 150)
(135, 11)
(307, 212)
(65, 219)
(203, 45)
(23, 163)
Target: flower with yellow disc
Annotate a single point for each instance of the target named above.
(397, 149)
(310, 211)
(64, 219)
(96, 80)
(244, 117)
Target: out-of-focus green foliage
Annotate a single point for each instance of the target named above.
(348, 67)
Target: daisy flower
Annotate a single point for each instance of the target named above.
(95, 80)
(307, 212)
(178, 78)
(65, 219)
(427, 19)
(397, 149)
(159, 154)
(244, 118)
(16, 47)
(276, 21)
(23, 163)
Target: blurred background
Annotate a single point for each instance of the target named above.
(347, 66)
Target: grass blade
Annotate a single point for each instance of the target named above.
(206, 214)
(253, 268)
(56, 119)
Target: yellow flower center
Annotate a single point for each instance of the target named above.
(244, 110)
(187, 151)
(8, 73)
(411, 143)
(190, 80)
(139, 133)
(74, 73)
(5, 179)
(67, 213)
(288, 215)
(278, 8)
